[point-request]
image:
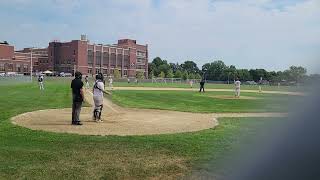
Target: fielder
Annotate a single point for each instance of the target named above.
(86, 79)
(191, 83)
(110, 83)
(40, 81)
(237, 84)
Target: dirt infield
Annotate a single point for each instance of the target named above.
(125, 121)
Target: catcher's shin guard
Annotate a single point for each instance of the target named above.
(95, 114)
(101, 106)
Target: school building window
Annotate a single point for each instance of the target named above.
(1, 67)
(89, 71)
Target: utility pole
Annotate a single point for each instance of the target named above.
(31, 65)
(74, 70)
(101, 58)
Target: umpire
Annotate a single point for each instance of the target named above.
(202, 85)
(77, 98)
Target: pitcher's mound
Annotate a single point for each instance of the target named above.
(126, 122)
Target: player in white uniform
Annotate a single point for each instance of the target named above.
(86, 79)
(40, 80)
(110, 83)
(98, 90)
(191, 83)
(237, 88)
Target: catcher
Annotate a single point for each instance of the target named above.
(98, 90)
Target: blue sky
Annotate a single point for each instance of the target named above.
(270, 34)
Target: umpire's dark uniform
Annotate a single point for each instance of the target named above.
(201, 85)
(77, 98)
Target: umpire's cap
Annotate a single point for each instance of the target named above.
(78, 75)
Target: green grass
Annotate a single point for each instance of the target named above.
(209, 86)
(202, 102)
(29, 154)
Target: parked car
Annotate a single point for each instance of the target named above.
(68, 75)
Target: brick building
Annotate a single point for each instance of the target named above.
(127, 57)
(19, 61)
(39, 58)
(11, 61)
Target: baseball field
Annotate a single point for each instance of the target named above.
(147, 133)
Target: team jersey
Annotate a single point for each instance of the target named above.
(237, 84)
(98, 88)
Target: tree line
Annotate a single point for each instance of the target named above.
(162, 69)
(219, 71)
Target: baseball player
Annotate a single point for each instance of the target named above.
(86, 79)
(98, 89)
(110, 83)
(40, 81)
(237, 84)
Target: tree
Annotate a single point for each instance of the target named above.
(162, 74)
(190, 67)
(116, 74)
(229, 74)
(174, 67)
(297, 73)
(243, 74)
(157, 61)
(178, 74)
(151, 68)
(185, 75)
(214, 71)
(191, 76)
(164, 68)
(197, 76)
(151, 74)
(159, 65)
(139, 75)
(256, 74)
(170, 74)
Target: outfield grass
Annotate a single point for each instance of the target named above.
(29, 154)
(202, 102)
(210, 86)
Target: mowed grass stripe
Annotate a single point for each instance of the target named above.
(202, 102)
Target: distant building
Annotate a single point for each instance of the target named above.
(127, 57)
(39, 58)
(19, 61)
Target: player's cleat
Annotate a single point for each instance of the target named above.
(77, 123)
